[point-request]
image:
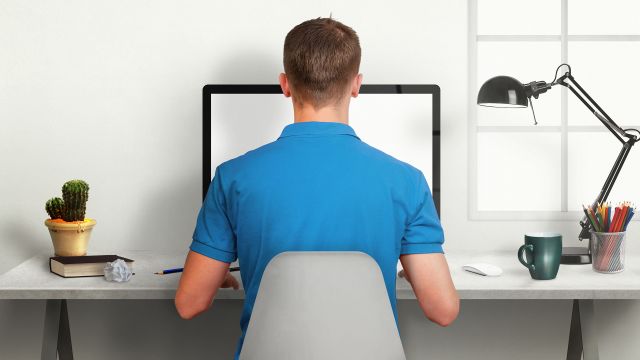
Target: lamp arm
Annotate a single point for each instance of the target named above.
(605, 119)
(606, 188)
(628, 140)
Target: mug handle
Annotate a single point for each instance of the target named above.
(521, 251)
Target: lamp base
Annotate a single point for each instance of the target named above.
(575, 255)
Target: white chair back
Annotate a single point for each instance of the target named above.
(322, 305)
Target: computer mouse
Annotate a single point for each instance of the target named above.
(483, 269)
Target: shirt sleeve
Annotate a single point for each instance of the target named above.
(213, 236)
(423, 234)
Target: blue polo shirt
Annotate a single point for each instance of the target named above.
(318, 187)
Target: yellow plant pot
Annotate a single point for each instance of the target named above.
(70, 238)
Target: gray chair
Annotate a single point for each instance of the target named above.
(322, 305)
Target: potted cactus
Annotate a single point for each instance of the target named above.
(68, 227)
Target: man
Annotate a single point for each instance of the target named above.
(317, 187)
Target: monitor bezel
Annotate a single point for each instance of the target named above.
(432, 89)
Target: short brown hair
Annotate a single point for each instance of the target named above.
(321, 56)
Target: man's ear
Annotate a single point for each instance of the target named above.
(284, 85)
(355, 85)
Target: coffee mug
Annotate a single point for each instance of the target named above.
(541, 254)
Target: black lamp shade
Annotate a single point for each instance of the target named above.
(502, 91)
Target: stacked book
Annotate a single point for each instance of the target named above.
(79, 266)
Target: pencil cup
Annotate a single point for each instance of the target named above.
(607, 252)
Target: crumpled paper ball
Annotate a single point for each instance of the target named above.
(117, 271)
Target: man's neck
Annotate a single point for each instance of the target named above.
(326, 114)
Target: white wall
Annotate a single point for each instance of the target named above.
(109, 91)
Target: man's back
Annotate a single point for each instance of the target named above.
(318, 187)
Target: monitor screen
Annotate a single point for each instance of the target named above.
(401, 120)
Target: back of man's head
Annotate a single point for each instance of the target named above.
(321, 58)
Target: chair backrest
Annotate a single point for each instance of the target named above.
(322, 305)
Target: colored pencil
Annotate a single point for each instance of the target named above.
(598, 228)
(586, 212)
(600, 220)
(628, 219)
(620, 218)
(623, 218)
(616, 216)
(607, 254)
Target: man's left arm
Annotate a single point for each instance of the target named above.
(199, 283)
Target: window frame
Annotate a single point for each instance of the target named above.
(564, 214)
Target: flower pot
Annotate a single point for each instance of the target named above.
(70, 238)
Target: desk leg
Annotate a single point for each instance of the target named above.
(589, 338)
(56, 336)
(574, 350)
(583, 343)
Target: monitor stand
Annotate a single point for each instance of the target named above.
(575, 255)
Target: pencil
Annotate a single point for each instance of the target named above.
(631, 211)
(593, 225)
(597, 227)
(614, 222)
(623, 217)
(177, 270)
(620, 219)
(600, 220)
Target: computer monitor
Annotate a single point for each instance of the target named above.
(401, 120)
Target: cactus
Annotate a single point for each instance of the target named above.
(54, 207)
(75, 194)
(73, 204)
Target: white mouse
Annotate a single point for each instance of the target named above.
(483, 269)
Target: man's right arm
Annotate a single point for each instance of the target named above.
(431, 281)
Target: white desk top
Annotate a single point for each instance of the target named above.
(32, 280)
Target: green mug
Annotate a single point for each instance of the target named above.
(541, 254)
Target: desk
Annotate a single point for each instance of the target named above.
(32, 280)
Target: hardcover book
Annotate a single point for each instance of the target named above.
(79, 266)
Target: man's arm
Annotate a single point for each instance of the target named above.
(199, 283)
(431, 281)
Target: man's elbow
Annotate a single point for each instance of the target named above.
(189, 309)
(446, 314)
(187, 313)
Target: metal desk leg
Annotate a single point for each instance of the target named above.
(56, 337)
(589, 338)
(574, 349)
(582, 334)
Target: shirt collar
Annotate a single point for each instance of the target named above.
(318, 128)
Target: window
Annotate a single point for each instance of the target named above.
(521, 171)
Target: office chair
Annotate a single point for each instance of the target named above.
(320, 306)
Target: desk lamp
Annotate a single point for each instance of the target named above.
(507, 92)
